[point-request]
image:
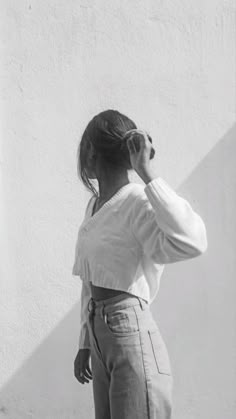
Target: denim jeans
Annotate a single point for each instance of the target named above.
(132, 376)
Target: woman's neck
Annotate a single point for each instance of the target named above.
(109, 186)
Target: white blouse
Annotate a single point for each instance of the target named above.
(127, 242)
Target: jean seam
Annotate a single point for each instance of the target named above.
(144, 369)
(156, 360)
(145, 373)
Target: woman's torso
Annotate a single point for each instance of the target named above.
(101, 293)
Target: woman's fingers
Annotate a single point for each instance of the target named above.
(83, 375)
(89, 370)
(135, 131)
(82, 370)
(137, 143)
(87, 374)
(137, 139)
(131, 146)
(83, 380)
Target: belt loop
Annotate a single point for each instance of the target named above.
(142, 303)
(102, 311)
(103, 314)
(92, 303)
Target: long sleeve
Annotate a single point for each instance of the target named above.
(166, 226)
(84, 341)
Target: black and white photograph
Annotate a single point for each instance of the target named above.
(117, 209)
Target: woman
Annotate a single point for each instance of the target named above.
(129, 232)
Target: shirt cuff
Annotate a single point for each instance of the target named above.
(159, 190)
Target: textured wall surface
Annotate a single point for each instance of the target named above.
(169, 65)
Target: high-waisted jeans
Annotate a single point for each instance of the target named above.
(132, 376)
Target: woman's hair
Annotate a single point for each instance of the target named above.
(105, 131)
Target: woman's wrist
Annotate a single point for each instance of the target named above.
(147, 175)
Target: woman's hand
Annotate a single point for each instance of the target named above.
(140, 150)
(81, 366)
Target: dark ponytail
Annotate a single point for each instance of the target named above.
(105, 131)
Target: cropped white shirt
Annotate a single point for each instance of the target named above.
(127, 242)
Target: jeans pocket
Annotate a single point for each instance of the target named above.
(122, 322)
(160, 352)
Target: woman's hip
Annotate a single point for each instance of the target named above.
(128, 347)
(122, 324)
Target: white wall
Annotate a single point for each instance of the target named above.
(169, 65)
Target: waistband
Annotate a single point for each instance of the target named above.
(122, 300)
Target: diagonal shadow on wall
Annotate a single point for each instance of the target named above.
(196, 303)
(44, 387)
(195, 310)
